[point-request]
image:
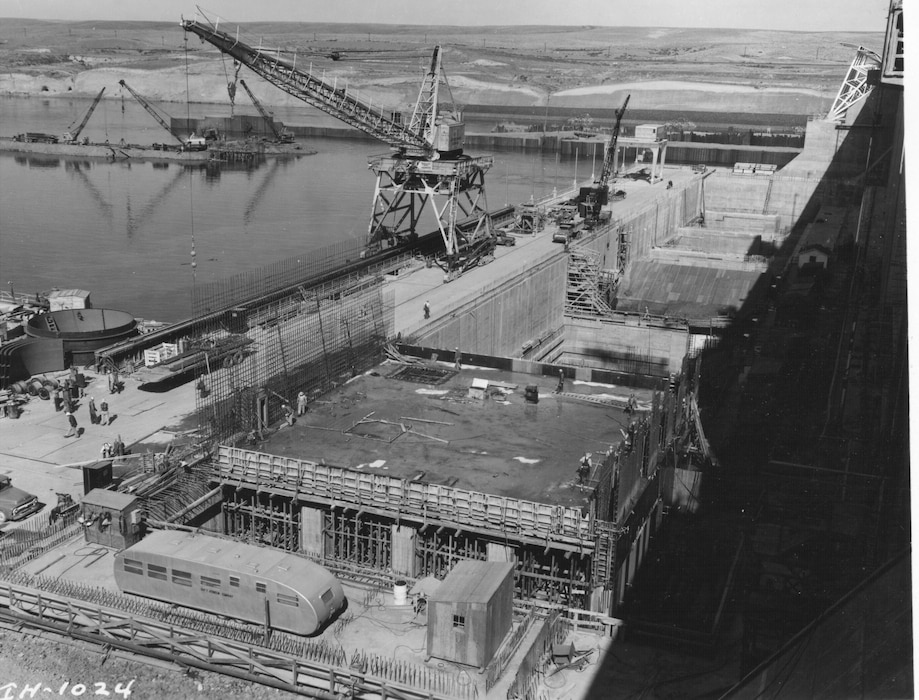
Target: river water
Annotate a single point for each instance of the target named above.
(125, 231)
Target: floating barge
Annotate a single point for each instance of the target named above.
(225, 152)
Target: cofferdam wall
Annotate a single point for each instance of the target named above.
(520, 312)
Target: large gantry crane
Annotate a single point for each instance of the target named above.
(426, 162)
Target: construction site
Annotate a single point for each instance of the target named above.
(670, 412)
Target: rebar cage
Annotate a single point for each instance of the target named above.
(270, 334)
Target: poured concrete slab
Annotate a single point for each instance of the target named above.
(435, 430)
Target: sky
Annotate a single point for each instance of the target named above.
(802, 15)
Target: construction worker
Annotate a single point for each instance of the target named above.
(427, 309)
(561, 382)
(72, 423)
(631, 405)
(584, 468)
(301, 403)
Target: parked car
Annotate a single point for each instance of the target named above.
(16, 504)
(505, 239)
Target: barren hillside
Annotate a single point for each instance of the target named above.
(742, 70)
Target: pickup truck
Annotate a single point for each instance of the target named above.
(16, 504)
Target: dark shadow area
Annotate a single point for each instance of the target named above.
(803, 399)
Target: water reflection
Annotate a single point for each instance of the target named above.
(123, 230)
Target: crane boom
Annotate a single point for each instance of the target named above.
(269, 120)
(75, 134)
(284, 74)
(427, 165)
(153, 113)
(609, 161)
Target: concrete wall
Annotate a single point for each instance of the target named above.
(678, 256)
(727, 192)
(624, 347)
(786, 195)
(500, 320)
(741, 222)
(655, 224)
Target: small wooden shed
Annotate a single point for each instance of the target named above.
(471, 612)
(110, 518)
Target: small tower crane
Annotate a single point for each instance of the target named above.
(74, 135)
(426, 163)
(279, 136)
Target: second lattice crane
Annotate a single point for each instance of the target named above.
(591, 200)
(281, 135)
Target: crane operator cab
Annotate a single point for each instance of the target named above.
(449, 136)
(195, 143)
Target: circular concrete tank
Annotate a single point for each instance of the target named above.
(83, 331)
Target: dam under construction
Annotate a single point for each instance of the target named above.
(680, 426)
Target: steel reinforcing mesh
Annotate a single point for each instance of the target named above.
(272, 333)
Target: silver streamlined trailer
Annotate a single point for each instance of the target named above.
(234, 579)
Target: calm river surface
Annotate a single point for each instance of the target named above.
(124, 231)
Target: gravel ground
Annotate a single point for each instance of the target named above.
(28, 660)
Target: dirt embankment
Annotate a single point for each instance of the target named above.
(28, 661)
(580, 67)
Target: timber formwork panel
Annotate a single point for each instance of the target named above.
(353, 535)
(418, 500)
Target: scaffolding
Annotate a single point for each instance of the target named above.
(586, 282)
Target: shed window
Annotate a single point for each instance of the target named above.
(234, 581)
(327, 596)
(260, 588)
(182, 578)
(459, 621)
(285, 599)
(210, 582)
(155, 571)
(132, 566)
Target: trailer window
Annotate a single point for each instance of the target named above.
(132, 566)
(260, 588)
(155, 571)
(291, 600)
(210, 582)
(234, 581)
(327, 596)
(182, 578)
(459, 621)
